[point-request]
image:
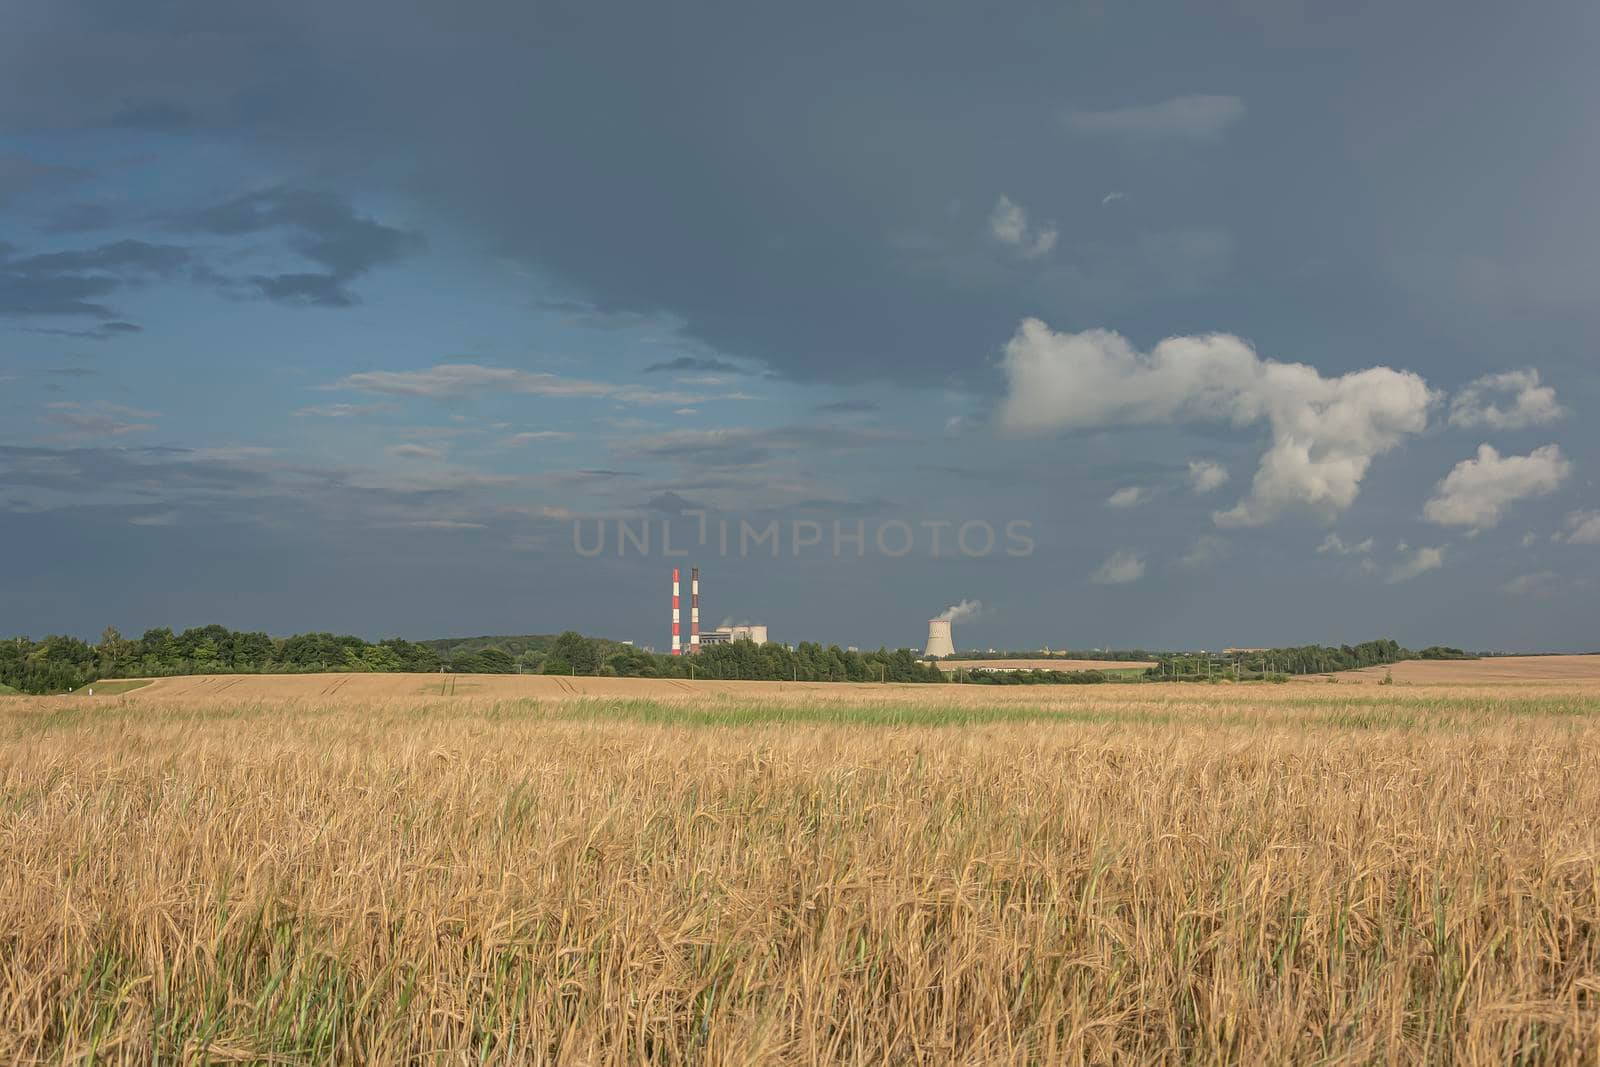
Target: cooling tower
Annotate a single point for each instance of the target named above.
(939, 639)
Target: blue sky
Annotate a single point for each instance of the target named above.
(1267, 325)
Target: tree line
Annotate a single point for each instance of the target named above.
(1295, 660)
(58, 663)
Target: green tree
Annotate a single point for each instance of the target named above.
(580, 653)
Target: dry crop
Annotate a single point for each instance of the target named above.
(1249, 874)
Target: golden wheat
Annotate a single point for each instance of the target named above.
(1103, 874)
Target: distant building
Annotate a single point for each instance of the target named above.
(722, 635)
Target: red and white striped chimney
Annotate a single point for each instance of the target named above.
(694, 609)
(677, 647)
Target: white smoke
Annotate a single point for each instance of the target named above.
(964, 610)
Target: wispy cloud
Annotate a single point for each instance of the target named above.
(848, 407)
(1420, 561)
(1582, 528)
(1335, 545)
(1204, 475)
(741, 445)
(692, 364)
(414, 451)
(1008, 224)
(1540, 583)
(447, 380)
(1195, 117)
(100, 419)
(1120, 568)
(1205, 552)
(516, 440)
(341, 411)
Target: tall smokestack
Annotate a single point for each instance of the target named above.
(694, 609)
(939, 638)
(677, 647)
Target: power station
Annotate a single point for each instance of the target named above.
(720, 636)
(941, 642)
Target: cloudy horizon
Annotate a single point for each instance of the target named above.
(1267, 328)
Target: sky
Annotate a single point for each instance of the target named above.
(1132, 325)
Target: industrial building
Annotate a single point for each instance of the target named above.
(723, 634)
(720, 636)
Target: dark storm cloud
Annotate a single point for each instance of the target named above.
(765, 176)
(745, 172)
(319, 226)
(124, 258)
(671, 503)
(75, 282)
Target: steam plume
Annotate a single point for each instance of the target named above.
(964, 610)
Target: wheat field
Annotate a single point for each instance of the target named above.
(734, 874)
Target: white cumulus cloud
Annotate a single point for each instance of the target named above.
(1204, 476)
(1531, 404)
(1477, 492)
(1325, 431)
(1121, 567)
(1008, 224)
(1130, 496)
